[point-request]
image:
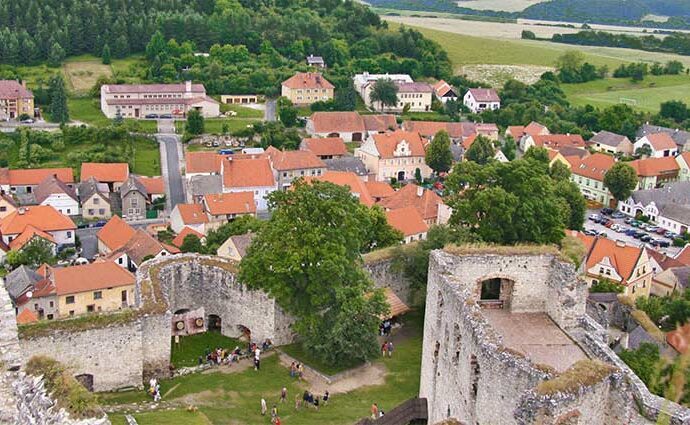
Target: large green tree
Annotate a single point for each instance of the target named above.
(621, 180)
(195, 122)
(438, 154)
(385, 93)
(33, 254)
(482, 150)
(307, 256)
(58, 100)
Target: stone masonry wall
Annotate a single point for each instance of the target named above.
(384, 276)
(155, 345)
(113, 354)
(9, 343)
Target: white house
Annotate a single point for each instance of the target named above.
(349, 126)
(660, 144)
(363, 81)
(668, 206)
(249, 175)
(42, 217)
(479, 100)
(445, 92)
(54, 192)
(189, 215)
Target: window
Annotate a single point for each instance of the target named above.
(101, 211)
(119, 260)
(90, 308)
(97, 295)
(51, 304)
(36, 306)
(96, 201)
(91, 211)
(69, 234)
(71, 312)
(69, 299)
(3, 209)
(50, 317)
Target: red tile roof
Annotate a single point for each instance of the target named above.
(426, 202)
(26, 316)
(202, 162)
(379, 189)
(485, 95)
(27, 235)
(679, 339)
(337, 122)
(155, 88)
(90, 277)
(429, 129)
(52, 185)
(593, 167)
(407, 220)
(327, 146)
(382, 122)
(192, 213)
(650, 167)
(387, 143)
(43, 217)
(179, 239)
(12, 89)
(115, 233)
(661, 141)
(230, 203)
(557, 141)
(240, 173)
(153, 185)
(32, 177)
(116, 172)
(684, 255)
(349, 180)
(622, 257)
(441, 88)
(293, 160)
(308, 80)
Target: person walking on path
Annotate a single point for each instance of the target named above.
(326, 396)
(263, 407)
(390, 348)
(374, 411)
(298, 401)
(384, 349)
(274, 413)
(283, 395)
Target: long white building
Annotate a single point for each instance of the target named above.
(139, 100)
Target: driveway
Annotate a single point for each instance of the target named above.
(270, 112)
(628, 240)
(171, 146)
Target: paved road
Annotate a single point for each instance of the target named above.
(169, 143)
(270, 112)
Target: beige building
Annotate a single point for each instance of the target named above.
(417, 95)
(292, 165)
(394, 155)
(15, 100)
(588, 174)
(305, 88)
(140, 100)
(7, 205)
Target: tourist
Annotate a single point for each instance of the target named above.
(257, 364)
(326, 396)
(316, 402)
(277, 421)
(292, 370)
(274, 413)
(390, 348)
(300, 371)
(298, 401)
(157, 393)
(283, 395)
(381, 413)
(384, 348)
(263, 407)
(374, 411)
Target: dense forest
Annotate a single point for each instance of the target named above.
(673, 43)
(253, 44)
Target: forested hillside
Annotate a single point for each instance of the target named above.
(609, 10)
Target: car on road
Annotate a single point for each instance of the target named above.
(595, 217)
(27, 121)
(617, 214)
(607, 211)
(646, 238)
(629, 220)
(590, 232)
(151, 116)
(166, 116)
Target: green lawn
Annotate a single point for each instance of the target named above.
(87, 110)
(299, 352)
(647, 94)
(242, 111)
(146, 158)
(224, 399)
(193, 346)
(215, 125)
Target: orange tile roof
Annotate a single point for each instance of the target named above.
(192, 213)
(661, 141)
(308, 80)
(153, 185)
(293, 160)
(516, 131)
(593, 167)
(679, 339)
(380, 189)
(623, 258)
(26, 316)
(557, 141)
(349, 180)
(467, 143)
(115, 172)
(43, 217)
(179, 239)
(327, 146)
(686, 157)
(684, 255)
(429, 129)
(387, 143)
(441, 88)
(380, 122)
(238, 173)
(337, 122)
(426, 204)
(115, 233)
(650, 167)
(30, 177)
(27, 235)
(534, 128)
(407, 220)
(90, 277)
(230, 203)
(397, 307)
(202, 162)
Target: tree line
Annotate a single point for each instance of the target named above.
(676, 42)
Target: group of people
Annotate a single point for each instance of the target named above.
(309, 399)
(387, 348)
(154, 390)
(296, 370)
(220, 356)
(385, 328)
(275, 419)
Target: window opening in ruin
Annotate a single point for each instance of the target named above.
(439, 308)
(491, 289)
(436, 350)
(245, 333)
(474, 380)
(457, 343)
(86, 379)
(213, 323)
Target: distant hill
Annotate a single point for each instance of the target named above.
(606, 10)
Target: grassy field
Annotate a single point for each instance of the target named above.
(646, 95)
(193, 346)
(82, 72)
(242, 111)
(505, 5)
(224, 399)
(299, 352)
(146, 158)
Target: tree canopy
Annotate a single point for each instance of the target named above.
(438, 155)
(621, 180)
(482, 150)
(384, 92)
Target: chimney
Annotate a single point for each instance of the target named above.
(21, 210)
(188, 86)
(420, 191)
(23, 83)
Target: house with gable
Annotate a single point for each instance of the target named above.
(668, 206)
(654, 172)
(54, 192)
(113, 174)
(588, 174)
(680, 137)
(660, 145)
(291, 165)
(305, 88)
(408, 222)
(25, 181)
(39, 217)
(395, 155)
(324, 147)
(134, 199)
(534, 128)
(95, 199)
(605, 141)
(223, 208)
(249, 175)
(479, 100)
(349, 126)
(189, 215)
(445, 92)
(425, 201)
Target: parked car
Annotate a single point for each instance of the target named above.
(630, 232)
(660, 231)
(151, 116)
(615, 227)
(589, 232)
(663, 243)
(27, 121)
(629, 220)
(646, 238)
(594, 217)
(166, 116)
(100, 223)
(617, 214)
(638, 234)
(607, 211)
(652, 229)
(670, 235)
(608, 223)
(635, 223)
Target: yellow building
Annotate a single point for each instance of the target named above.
(15, 99)
(92, 288)
(305, 88)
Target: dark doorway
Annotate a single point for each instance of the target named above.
(86, 379)
(214, 323)
(245, 333)
(356, 137)
(491, 289)
(401, 176)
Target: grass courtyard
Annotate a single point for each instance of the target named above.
(234, 398)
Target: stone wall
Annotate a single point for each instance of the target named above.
(9, 343)
(113, 354)
(385, 276)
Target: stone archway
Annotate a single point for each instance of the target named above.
(214, 323)
(181, 311)
(245, 334)
(495, 292)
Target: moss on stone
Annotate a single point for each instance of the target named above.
(491, 249)
(76, 324)
(584, 373)
(387, 253)
(648, 325)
